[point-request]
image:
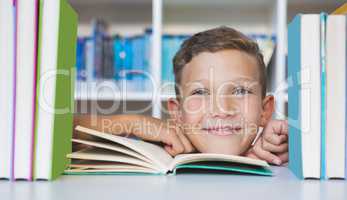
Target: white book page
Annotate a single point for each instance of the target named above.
(196, 157)
(99, 166)
(113, 147)
(7, 24)
(96, 154)
(310, 76)
(104, 165)
(123, 170)
(25, 88)
(156, 154)
(335, 96)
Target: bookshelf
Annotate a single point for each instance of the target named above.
(108, 91)
(284, 185)
(132, 17)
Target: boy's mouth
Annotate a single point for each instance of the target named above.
(222, 130)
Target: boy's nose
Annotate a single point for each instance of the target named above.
(223, 106)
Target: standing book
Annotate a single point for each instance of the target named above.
(25, 90)
(110, 154)
(7, 84)
(304, 95)
(57, 50)
(336, 96)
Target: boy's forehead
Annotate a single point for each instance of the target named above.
(222, 66)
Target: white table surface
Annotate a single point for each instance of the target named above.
(284, 185)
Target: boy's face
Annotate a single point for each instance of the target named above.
(221, 105)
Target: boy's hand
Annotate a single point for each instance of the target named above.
(272, 146)
(175, 142)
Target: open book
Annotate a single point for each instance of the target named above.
(110, 154)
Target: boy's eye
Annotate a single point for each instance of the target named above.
(200, 92)
(240, 91)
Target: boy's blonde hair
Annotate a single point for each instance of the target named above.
(213, 40)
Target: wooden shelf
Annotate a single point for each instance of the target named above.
(129, 17)
(111, 91)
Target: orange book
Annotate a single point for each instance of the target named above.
(342, 10)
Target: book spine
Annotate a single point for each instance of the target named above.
(294, 80)
(147, 58)
(89, 60)
(80, 59)
(118, 57)
(31, 132)
(323, 18)
(14, 89)
(34, 88)
(346, 100)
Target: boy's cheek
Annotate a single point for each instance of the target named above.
(250, 110)
(193, 109)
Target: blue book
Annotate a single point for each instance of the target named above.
(170, 46)
(142, 61)
(172, 50)
(165, 58)
(97, 38)
(136, 70)
(323, 18)
(128, 59)
(118, 56)
(304, 95)
(294, 57)
(89, 51)
(80, 59)
(147, 59)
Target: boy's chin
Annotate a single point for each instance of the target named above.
(231, 145)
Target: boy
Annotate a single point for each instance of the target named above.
(219, 106)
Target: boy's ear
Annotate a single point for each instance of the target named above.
(268, 109)
(173, 106)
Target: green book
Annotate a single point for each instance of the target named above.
(55, 88)
(104, 153)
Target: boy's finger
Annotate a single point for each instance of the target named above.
(174, 147)
(278, 126)
(284, 157)
(251, 154)
(188, 147)
(275, 139)
(265, 155)
(275, 148)
(173, 144)
(170, 150)
(177, 144)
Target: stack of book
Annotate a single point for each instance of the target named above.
(105, 57)
(37, 58)
(317, 95)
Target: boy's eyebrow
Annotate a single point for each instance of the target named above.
(250, 82)
(199, 81)
(238, 79)
(245, 79)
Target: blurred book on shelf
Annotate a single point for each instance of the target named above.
(342, 10)
(126, 60)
